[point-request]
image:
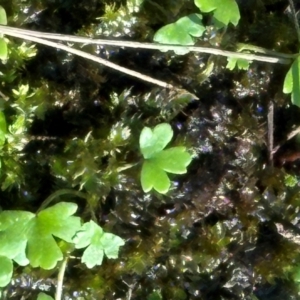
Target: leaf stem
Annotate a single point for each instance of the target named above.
(59, 193)
(60, 279)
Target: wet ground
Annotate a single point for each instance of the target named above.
(228, 229)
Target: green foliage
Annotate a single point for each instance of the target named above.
(43, 296)
(292, 82)
(241, 64)
(6, 270)
(158, 161)
(224, 11)
(3, 49)
(20, 229)
(98, 243)
(290, 180)
(181, 32)
(29, 238)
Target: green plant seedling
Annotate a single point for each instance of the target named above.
(98, 243)
(182, 32)
(28, 238)
(291, 83)
(3, 45)
(158, 161)
(225, 11)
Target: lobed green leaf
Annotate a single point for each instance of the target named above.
(225, 11)
(153, 176)
(98, 243)
(153, 141)
(181, 32)
(173, 160)
(241, 64)
(19, 229)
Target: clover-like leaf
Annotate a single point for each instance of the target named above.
(97, 242)
(181, 32)
(158, 161)
(6, 270)
(225, 11)
(292, 82)
(153, 176)
(153, 141)
(21, 229)
(173, 160)
(241, 64)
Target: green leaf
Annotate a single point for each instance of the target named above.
(6, 270)
(19, 229)
(153, 176)
(98, 243)
(225, 11)
(43, 296)
(3, 49)
(158, 161)
(56, 221)
(173, 160)
(3, 18)
(181, 32)
(292, 82)
(13, 238)
(3, 129)
(241, 64)
(153, 141)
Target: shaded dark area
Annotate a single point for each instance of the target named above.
(229, 228)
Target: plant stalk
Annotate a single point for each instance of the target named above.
(60, 279)
(271, 56)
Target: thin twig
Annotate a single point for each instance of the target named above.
(60, 279)
(295, 19)
(271, 131)
(274, 57)
(289, 136)
(93, 58)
